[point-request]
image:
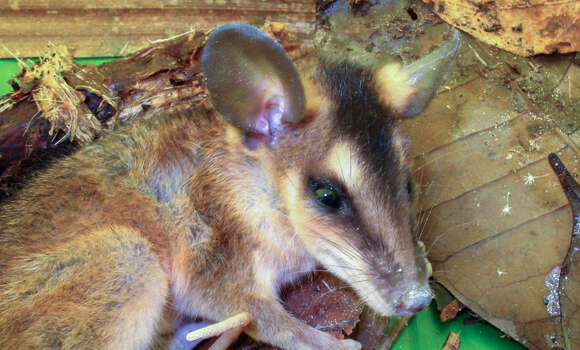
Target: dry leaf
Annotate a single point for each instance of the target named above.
(450, 311)
(498, 221)
(326, 305)
(521, 27)
(323, 303)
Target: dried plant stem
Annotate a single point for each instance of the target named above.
(235, 322)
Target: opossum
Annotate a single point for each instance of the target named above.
(209, 212)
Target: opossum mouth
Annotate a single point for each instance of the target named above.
(403, 297)
(407, 303)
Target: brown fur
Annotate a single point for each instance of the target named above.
(175, 216)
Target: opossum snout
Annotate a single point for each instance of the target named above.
(414, 300)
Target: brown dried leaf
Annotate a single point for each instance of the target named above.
(450, 311)
(323, 303)
(326, 304)
(522, 27)
(498, 222)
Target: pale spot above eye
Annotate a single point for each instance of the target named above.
(343, 161)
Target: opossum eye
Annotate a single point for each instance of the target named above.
(327, 195)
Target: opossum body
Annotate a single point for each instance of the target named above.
(207, 214)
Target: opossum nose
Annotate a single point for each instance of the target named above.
(414, 300)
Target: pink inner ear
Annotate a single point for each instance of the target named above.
(271, 105)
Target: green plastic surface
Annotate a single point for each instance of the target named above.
(9, 67)
(425, 331)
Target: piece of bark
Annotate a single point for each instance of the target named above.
(453, 341)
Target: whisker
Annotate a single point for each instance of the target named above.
(425, 224)
(348, 250)
(433, 243)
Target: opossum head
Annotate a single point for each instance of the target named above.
(337, 148)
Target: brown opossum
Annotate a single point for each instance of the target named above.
(208, 214)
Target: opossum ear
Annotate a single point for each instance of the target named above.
(408, 89)
(251, 80)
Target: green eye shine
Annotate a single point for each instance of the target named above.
(327, 195)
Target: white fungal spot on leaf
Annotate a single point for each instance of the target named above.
(552, 300)
(507, 209)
